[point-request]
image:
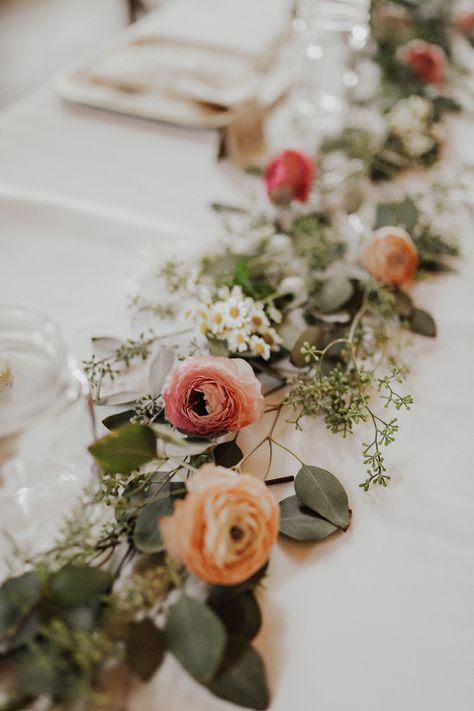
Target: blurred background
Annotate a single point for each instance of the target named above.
(38, 37)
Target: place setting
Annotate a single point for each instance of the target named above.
(233, 459)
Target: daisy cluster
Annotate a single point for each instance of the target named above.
(410, 120)
(245, 325)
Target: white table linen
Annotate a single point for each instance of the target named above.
(381, 617)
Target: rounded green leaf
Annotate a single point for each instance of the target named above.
(18, 597)
(125, 448)
(241, 678)
(314, 336)
(227, 454)
(77, 585)
(333, 294)
(321, 492)
(301, 524)
(421, 322)
(145, 648)
(241, 615)
(147, 535)
(196, 636)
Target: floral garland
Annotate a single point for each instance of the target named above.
(300, 313)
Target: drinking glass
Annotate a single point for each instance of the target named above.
(46, 423)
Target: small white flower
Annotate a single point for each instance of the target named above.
(216, 318)
(417, 144)
(234, 312)
(259, 347)
(280, 242)
(238, 340)
(258, 319)
(271, 337)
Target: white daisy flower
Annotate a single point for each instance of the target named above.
(237, 340)
(259, 347)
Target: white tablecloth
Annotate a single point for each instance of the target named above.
(379, 618)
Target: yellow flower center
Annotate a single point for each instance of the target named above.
(234, 311)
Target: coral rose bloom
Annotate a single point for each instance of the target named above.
(223, 530)
(212, 395)
(289, 176)
(427, 61)
(465, 23)
(390, 256)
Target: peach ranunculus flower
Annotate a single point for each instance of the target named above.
(427, 61)
(209, 395)
(465, 23)
(390, 256)
(223, 530)
(290, 176)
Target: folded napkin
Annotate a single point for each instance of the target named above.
(211, 51)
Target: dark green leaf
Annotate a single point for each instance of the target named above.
(220, 593)
(196, 637)
(334, 293)
(117, 420)
(241, 615)
(40, 671)
(78, 585)
(301, 524)
(147, 535)
(18, 597)
(403, 304)
(314, 335)
(144, 649)
(397, 214)
(125, 449)
(321, 492)
(228, 454)
(421, 322)
(241, 678)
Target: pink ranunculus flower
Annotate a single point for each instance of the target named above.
(290, 176)
(427, 61)
(209, 395)
(465, 23)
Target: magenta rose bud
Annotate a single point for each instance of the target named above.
(210, 395)
(289, 176)
(427, 61)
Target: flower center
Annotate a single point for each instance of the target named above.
(198, 403)
(236, 533)
(234, 311)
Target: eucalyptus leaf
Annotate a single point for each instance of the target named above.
(147, 535)
(334, 293)
(120, 398)
(398, 214)
(112, 422)
(125, 449)
(403, 304)
(422, 322)
(227, 454)
(40, 672)
(144, 649)
(241, 615)
(159, 369)
(105, 345)
(196, 636)
(301, 524)
(78, 585)
(242, 678)
(321, 492)
(220, 594)
(18, 597)
(315, 336)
